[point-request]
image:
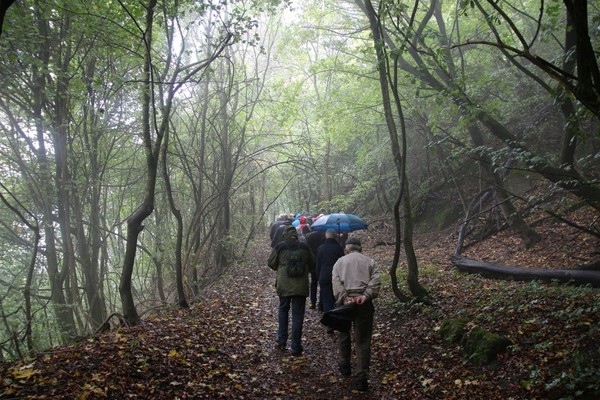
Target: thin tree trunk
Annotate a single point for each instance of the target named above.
(415, 287)
(47, 196)
(181, 300)
(134, 222)
(481, 198)
(572, 124)
(28, 281)
(89, 253)
(399, 158)
(398, 243)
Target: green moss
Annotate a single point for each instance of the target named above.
(482, 347)
(453, 330)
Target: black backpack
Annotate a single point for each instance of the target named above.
(295, 263)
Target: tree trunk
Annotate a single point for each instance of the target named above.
(569, 179)
(47, 193)
(496, 271)
(134, 222)
(181, 300)
(481, 198)
(195, 233)
(399, 158)
(572, 125)
(415, 287)
(90, 246)
(30, 271)
(527, 234)
(396, 261)
(587, 89)
(222, 244)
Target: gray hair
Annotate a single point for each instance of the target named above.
(330, 233)
(353, 247)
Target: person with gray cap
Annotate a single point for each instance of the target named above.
(356, 280)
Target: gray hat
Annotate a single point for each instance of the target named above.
(354, 241)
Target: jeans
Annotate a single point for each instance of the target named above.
(298, 305)
(362, 327)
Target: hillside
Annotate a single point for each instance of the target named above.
(223, 347)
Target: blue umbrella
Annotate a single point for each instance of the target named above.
(339, 222)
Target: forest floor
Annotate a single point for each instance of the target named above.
(223, 347)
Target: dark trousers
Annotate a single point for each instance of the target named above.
(298, 305)
(327, 298)
(362, 330)
(313, 288)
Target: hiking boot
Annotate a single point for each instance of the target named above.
(280, 346)
(296, 353)
(361, 384)
(345, 369)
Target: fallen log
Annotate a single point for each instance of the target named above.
(497, 271)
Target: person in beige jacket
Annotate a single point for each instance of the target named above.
(356, 280)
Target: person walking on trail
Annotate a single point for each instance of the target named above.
(293, 261)
(356, 280)
(303, 233)
(280, 221)
(315, 239)
(278, 234)
(327, 255)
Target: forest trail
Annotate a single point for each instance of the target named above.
(314, 375)
(223, 347)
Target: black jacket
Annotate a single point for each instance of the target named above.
(327, 255)
(278, 236)
(315, 239)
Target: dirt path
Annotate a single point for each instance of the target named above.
(275, 373)
(223, 347)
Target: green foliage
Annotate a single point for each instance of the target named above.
(582, 379)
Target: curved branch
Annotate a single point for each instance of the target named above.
(512, 59)
(510, 23)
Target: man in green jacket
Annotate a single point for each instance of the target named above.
(356, 280)
(293, 261)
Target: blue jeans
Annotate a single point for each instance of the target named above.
(298, 304)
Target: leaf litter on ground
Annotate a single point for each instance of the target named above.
(223, 347)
